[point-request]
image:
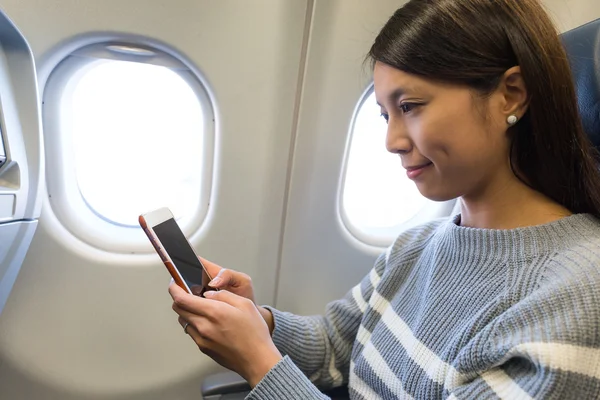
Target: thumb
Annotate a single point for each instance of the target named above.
(225, 278)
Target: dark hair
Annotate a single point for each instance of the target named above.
(473, 43)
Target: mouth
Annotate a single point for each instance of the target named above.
(414, 171)
(416, 167)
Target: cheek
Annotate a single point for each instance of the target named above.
(453, 134)
(455, 144)
(436, 129)
(436, 136)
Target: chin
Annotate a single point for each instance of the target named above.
(437, 194)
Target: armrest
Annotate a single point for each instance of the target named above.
(224, 383)
(227, 383)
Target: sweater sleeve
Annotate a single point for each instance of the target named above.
(317, 349)
(547, 346)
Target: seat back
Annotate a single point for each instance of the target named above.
(583, 50)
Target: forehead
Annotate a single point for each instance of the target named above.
(388, 80)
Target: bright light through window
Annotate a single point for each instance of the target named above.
(377, 193)
(137, 134)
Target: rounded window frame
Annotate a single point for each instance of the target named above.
(380, 237)
(65, 198)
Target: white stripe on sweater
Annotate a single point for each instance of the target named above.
(363, 335)
(388, 252)
(379, 303)
(374, 278)
(504, 386)
(384, 372)
(564, 357)
(436, 368)
(362, 388)
(358, 298)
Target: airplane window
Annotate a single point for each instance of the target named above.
(378, 200)
(128, 129)
(137, 138)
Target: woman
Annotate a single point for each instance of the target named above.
(501, 300)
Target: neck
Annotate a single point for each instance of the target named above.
(509, 204)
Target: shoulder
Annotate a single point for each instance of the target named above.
(580, 258)
(411, 242)
(561, 302)
(575, 266)
(563, 307)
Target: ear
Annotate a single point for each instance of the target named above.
(513, 92)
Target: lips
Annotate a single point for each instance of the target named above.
(415, 167)
(413, 172)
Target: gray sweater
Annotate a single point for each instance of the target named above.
(455, 312)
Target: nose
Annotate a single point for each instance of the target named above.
(397, 141)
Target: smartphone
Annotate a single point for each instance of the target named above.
(175, 251)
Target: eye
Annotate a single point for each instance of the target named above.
(386, 117)
(407, 107)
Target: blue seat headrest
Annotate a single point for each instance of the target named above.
(583, 50)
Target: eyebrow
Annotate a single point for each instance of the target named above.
(394, 95)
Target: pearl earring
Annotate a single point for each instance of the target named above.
(512, 120)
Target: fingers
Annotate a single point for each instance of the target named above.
(211, 307)
(201, 329)
(181, 321)
(201, 341)
(176, 292)
(193, 304)
(189, 316)
(188, 327)
(223, 278)
(212, 268)
(227, 297)
(184, 324)
(227, 278)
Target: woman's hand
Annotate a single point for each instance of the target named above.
(237, 283)
(226, 279)
(229, 329)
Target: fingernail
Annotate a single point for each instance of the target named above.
(214, 282)
(209, 293)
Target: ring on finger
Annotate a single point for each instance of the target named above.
(185, 327)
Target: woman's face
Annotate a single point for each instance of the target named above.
(451, 143)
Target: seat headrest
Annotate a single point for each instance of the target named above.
(583, 50)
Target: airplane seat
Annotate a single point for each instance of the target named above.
(583, 50)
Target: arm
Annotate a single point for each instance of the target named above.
(317, 347)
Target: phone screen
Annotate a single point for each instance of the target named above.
(182, 256)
